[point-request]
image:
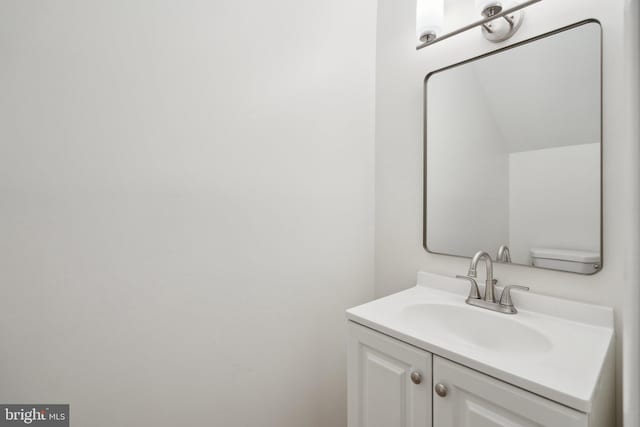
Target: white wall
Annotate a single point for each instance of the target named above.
(554, 200)
(631, 368)
(400, 75)
(186, 191)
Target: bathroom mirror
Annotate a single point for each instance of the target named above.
(513, 145)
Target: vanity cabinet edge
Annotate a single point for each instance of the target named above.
(603, 407)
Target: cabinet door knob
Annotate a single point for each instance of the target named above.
(416, 377)
(441, 390)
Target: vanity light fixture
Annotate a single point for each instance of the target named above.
(499, 30)
(501, 19)
(429, 19)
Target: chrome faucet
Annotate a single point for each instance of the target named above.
(489, 301)
(503, 254)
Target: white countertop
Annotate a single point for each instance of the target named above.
(580, 337)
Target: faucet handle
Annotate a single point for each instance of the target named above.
(474, 293)
(505, 298)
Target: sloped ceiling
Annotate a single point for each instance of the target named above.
(556, 104)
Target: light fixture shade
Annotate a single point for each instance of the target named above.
(429, 18)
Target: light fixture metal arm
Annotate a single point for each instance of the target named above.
(481, 23)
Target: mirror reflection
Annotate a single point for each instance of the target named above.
(513, 154)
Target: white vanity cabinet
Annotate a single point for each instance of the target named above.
(441, 393)
(424, 358)
(390, 382)
(473, 399)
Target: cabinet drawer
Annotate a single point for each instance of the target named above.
(473, 399)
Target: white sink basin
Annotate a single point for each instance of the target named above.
(482, 328)
(552, 347)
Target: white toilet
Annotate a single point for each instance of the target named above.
(585, 262)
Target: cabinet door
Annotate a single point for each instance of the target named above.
(382, 392)
(473, 399)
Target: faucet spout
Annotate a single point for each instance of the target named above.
(503, 254)
(489, 289)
